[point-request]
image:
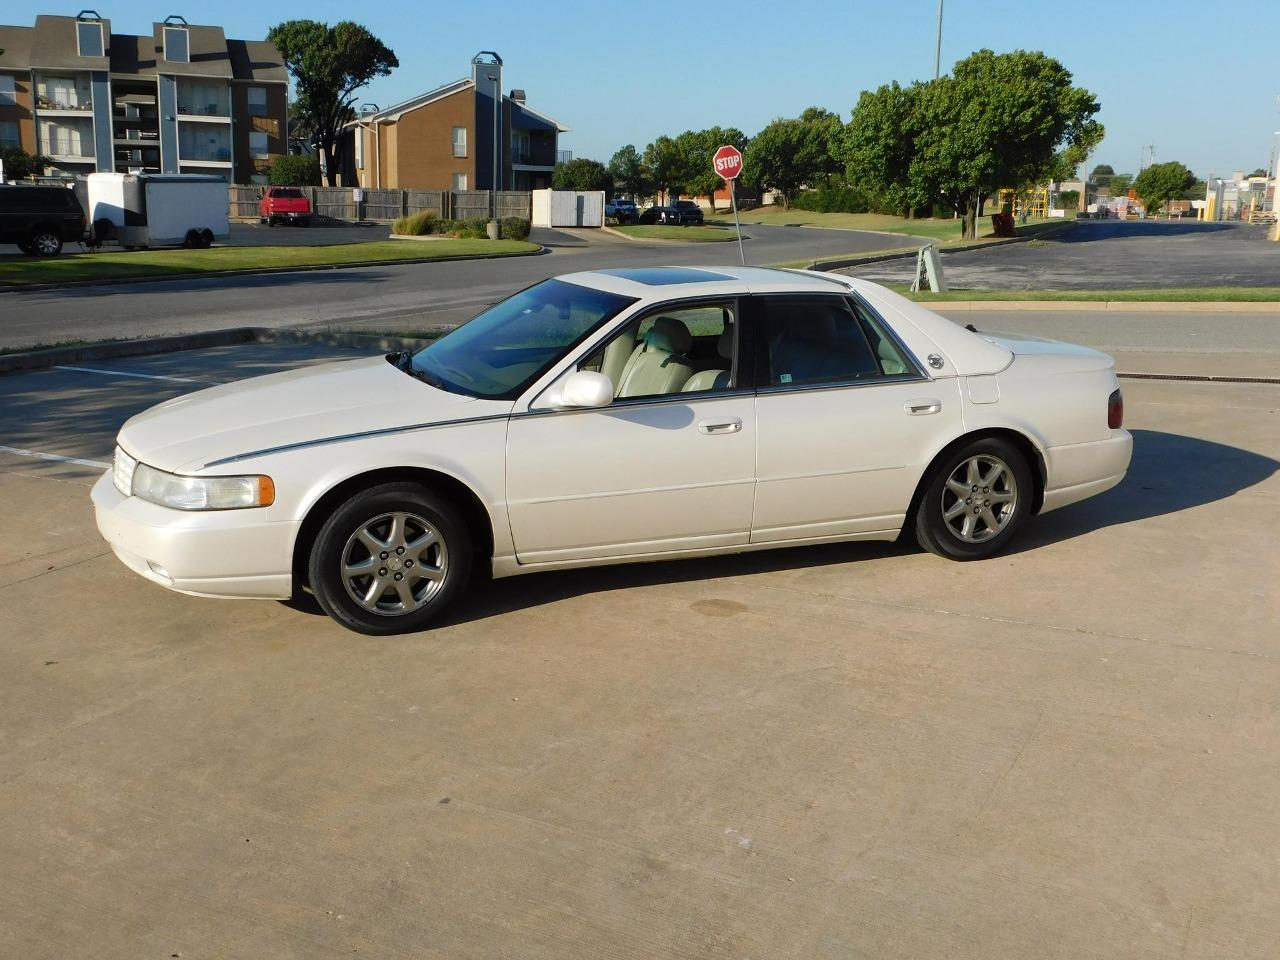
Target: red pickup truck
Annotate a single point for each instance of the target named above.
(284, 205)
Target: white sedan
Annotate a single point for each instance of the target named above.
(608, 417)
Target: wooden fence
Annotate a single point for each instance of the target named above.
(384, 206)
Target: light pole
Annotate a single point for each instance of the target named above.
(370, 110)
(937, 47)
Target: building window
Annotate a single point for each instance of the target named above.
(460, 143)
(176, 46)
(8, 97)
(460, 181)
(258, 144)
(257, 101)
(9, 134)
(89, 38)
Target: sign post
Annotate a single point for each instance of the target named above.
(728, 163)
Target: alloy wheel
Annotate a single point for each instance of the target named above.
(394, 564)
(980, 498)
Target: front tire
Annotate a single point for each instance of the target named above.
(975, 501)
(390, 559)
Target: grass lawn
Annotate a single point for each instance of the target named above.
(1143, 295)
(655, 231)
(19, 270)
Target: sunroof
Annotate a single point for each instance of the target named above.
(662, 276)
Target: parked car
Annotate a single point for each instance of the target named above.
(624, 211)
(611, 416)
(680, 213)
(284, 205)
(40, 219)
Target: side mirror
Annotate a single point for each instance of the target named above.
(586, 388)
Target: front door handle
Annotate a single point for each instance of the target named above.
(922, 408)
(732, 425)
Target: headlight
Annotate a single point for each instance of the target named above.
(201, 493)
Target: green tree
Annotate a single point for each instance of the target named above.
(790, 154)
(328, 65)
(295, 171)
(19, 165)
(581, 174)
(630, 173)
(694, 150)
(1000, 120)
(663, 162)
(878, 146)
(1162, 182)
(1102, 170)
(1119, 184)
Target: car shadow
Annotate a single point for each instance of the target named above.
(1170, 473)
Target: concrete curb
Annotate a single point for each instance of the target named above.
(662, 240)
(827, 266)
(1114, 306)
(257, 271)
(149, 346)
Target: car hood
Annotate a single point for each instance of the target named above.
(299, 406)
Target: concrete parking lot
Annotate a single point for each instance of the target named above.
(1111, 254)
(860, 750)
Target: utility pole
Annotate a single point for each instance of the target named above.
(937, 48)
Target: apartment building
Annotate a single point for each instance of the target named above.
(444, 139)
(182, 99)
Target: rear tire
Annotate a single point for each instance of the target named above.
(45, 242)
(206, 238)
(192, 239)
(390, 559)
(974, 502)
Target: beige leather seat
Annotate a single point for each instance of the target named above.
(714, 379)
(616, 355)
(658, 365)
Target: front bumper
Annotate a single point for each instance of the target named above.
(222, 553)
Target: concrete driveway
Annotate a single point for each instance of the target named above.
(851, 751)
(1110, 254)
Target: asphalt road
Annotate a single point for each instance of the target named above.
(1110, 254)
(384, 297)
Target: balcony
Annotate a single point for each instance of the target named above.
(205, 101)
(67, 146)
(203, 154)
(564, 156)
(68, 103)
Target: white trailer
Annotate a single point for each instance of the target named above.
(156, 210)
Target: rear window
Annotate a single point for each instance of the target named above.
(289, 192)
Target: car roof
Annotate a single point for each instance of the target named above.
(663, 283)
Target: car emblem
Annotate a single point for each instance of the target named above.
(935, 361)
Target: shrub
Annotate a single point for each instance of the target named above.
(417, 224)
(515, 228)
(473, 228)
(18, 164)
(294, 171)
(833, 199)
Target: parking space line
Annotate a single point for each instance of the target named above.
(37, 455)
(123, 373)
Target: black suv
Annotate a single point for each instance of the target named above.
(40, 219)
(681, 212)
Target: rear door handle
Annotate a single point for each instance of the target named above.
(732, 425)
(922, 408)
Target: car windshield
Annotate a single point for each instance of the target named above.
(501, 351)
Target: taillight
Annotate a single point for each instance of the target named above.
(1115, 410)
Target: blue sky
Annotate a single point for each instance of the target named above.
(1193, 79)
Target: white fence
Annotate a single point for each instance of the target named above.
(568, 208)
(384, 206)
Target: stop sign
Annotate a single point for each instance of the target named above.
(728, 161)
